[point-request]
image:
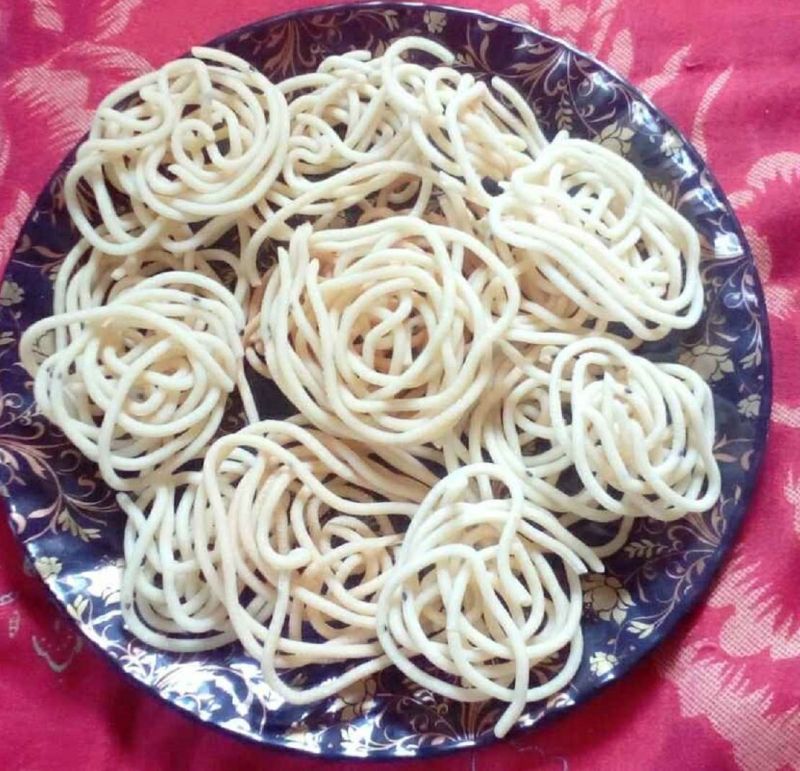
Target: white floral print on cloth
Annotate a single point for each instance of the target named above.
(732, 668)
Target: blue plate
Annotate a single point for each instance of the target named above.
(69, 523)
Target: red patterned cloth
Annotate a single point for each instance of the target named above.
(724, 691)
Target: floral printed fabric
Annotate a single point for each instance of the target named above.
(723, 692)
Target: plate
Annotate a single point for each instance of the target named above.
(72, 529)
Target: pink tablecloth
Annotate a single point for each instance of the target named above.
(724, 691)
